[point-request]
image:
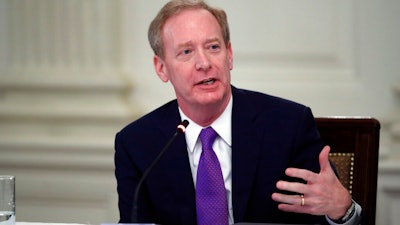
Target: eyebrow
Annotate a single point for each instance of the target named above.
(213, 40)
(188, 43)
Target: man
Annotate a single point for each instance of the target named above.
(268, 148)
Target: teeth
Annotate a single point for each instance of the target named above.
(211, 81)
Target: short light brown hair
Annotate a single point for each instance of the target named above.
(173, 8)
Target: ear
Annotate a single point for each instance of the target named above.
(159, 66)
(230, 55)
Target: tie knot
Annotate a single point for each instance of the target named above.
(207, 137)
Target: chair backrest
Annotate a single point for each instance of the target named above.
(354, 145)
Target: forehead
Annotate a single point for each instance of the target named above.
(191, 22)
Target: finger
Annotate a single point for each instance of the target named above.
(287, 199)
(294, 208)
(291, 186)
(300, 173)
(324, 159)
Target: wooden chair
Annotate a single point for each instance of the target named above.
(354, 145)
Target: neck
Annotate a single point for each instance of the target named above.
(205, 115)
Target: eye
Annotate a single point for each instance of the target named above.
(185, 54)
(186, 51)
(214, 47)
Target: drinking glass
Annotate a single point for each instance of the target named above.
(7, 200)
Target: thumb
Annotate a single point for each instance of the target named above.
(324, 159)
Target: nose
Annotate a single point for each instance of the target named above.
(202, 61)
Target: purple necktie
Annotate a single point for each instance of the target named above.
(211, 202)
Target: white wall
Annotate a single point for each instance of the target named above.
(72, 73)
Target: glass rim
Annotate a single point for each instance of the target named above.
(7, 177)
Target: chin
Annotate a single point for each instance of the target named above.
(213, 99)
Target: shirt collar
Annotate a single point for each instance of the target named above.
(222, 125)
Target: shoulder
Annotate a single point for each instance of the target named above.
(264, 110)
(263, 102)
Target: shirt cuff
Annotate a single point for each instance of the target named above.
(354, 220)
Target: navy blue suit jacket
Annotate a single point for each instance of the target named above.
(269, 134)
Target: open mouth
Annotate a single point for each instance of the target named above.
(208, 81)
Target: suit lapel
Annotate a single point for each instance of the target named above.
(245, 151)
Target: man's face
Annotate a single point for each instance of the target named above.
(197, 62)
